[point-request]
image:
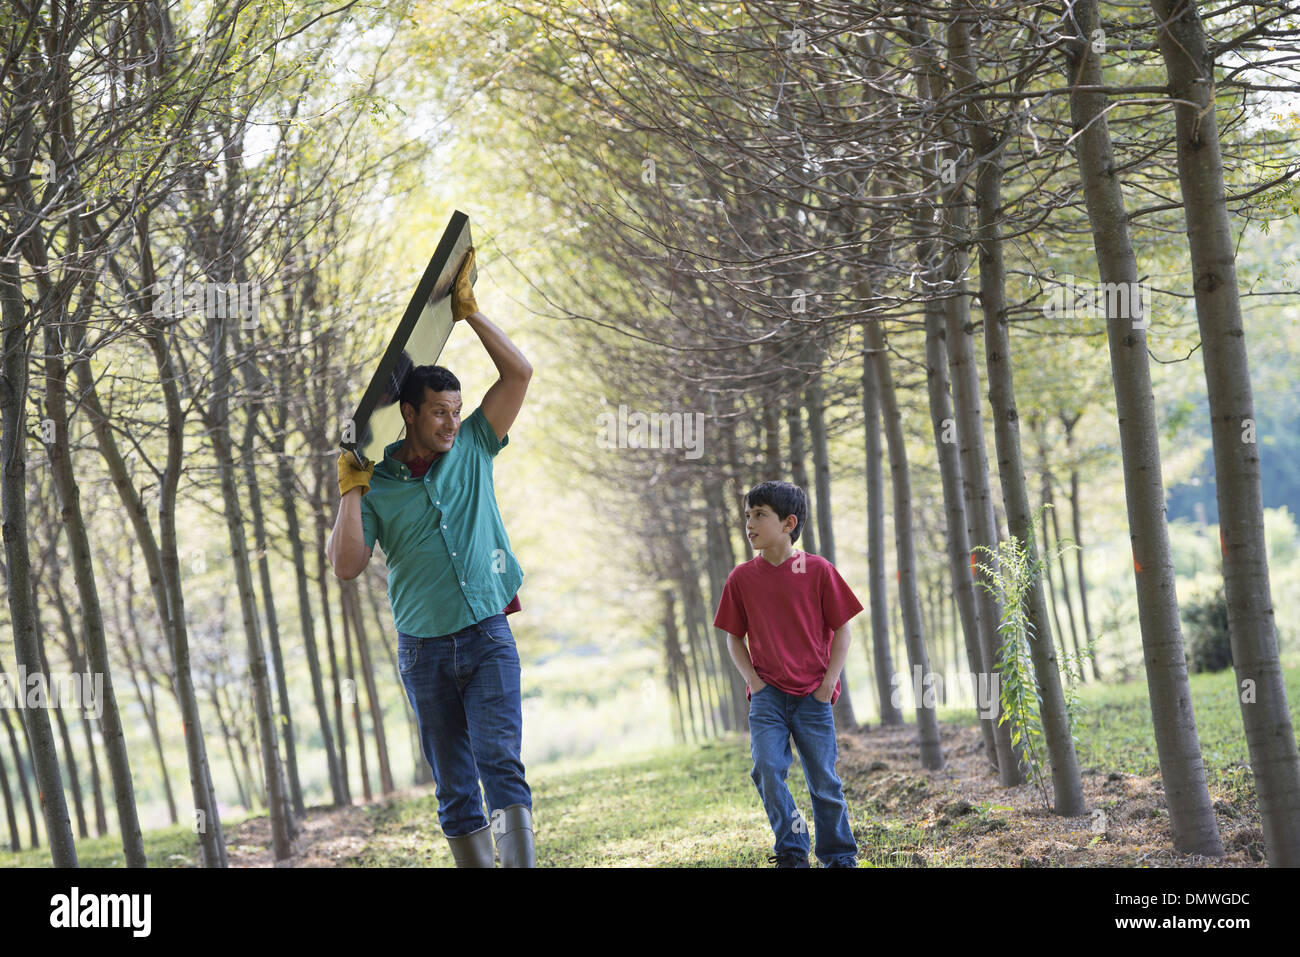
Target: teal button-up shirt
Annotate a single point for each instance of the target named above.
(449, 560)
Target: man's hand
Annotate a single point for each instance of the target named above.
(351, 477)
(824, 693)
(463, 304)
(756, 684)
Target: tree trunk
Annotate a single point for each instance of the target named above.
(353, 600)
(720, 562)
(242, 569)
(927, 723)
(423, 773)
(322, 571)
(1077, 523)
(289, 505)
(283, 719)
(799, 470)
(1270, 736)
(355, 694)
(944, 426)
(882, 657)
(21, 772)
(1191, 816)
(13, 520)
(11, 817)
(815, 401)
(91, 610)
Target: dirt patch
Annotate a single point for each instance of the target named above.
(965, 816)
(328, 837)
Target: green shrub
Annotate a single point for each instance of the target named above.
(1206, 632)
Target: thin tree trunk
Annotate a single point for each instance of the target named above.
(1077, 523)
(720, 562)
(91, 610)
(1065, 577)
(13, 521)
(772, 437)
(340, 726)
(1191, 816)
(1046, 506)
(289, 505)
(1270, 737)
(283, 718)
(69, 755)
(353, 600)
(355, 695)
(245, 796)
(423, 774)
(944, 426)
(815, 402)
(926, 720)
(799, 469)
(11, 817)
(882, 656)
(20, 770)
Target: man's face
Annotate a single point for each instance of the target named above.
(764, 529)
(436, 424)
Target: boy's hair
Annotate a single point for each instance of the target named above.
(434, 378)
(784, 499)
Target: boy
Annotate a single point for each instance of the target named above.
(795, 608)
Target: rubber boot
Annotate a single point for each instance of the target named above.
(473, 850)
(513, 829)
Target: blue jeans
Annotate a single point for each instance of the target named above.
(464, 688)
(773, 717)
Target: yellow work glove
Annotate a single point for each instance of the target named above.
(351, 477)
(462, 292)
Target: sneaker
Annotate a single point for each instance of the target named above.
(789, 859)
(842, 862)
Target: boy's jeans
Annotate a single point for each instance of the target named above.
(464, 688)
(773, 717)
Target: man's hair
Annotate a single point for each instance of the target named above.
(434, 378)
(784, 499)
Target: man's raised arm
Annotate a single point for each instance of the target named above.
(505, 398)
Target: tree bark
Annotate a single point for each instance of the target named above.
(13, 520)
(882, 656)
(1270, 736)
(1191, 816)
(927, 723)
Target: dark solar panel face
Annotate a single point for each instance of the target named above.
(418, 341)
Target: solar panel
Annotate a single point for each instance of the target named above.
(418, 341)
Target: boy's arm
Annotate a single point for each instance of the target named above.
(839, 654)
(740, 655)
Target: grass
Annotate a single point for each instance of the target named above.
(695, 805)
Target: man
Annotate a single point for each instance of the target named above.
(451, 580)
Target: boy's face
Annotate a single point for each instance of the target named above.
(436, 424)
(765, 530)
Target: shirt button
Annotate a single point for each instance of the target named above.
(462, 583)
(437, 503)
(453, 554)
(444, 526)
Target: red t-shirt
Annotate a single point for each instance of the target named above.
(790, 612)
(418, 467)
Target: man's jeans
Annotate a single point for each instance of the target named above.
(464, 688)
(773, 717)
